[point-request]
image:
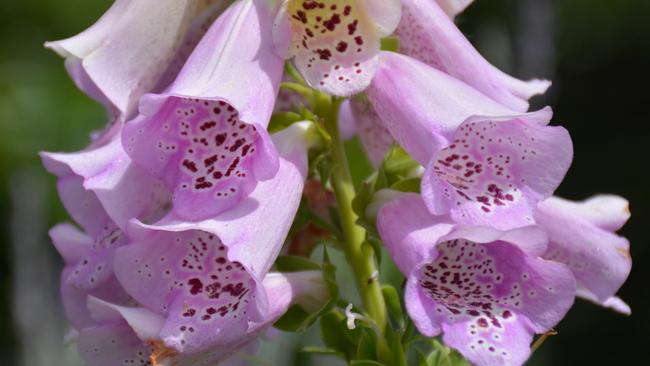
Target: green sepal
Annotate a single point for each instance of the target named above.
(366, 363)
(297, 319)
(393, 304)
(292, 263)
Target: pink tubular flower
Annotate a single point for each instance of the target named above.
(126, 51)
(582, 236)
(496, 170)
(205, 135)
(88, 271)
(358, 116)
(428, 34)
(103, 178)
(205, 278)
(487, 291)
(335, 42)
(486, 164)
(102, 190)
(422, 107)
(129, 335)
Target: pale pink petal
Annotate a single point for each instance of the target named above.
(205, 135)
(125, 52)
(374, 136)
(599, 259)
(495, 172)
(427, 33)
(608, 212)
(422, 107)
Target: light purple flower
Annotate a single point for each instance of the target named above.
(335, 42)
(130, 335)
(428, 34)
(205, 278)
(422, 107)
(205, 135)
(486, 164)
(487, 291)
(496, 170)
(582, 236)
(101, 182)
(126, 51)
(85, 259)
(357, 116)
(102, 190)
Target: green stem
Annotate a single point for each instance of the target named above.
(360, 256)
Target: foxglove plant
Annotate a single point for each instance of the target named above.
(219, 113)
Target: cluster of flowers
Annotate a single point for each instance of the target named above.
(185, 200)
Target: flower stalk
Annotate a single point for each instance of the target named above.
(359, 255)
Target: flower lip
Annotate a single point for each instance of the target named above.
(187, 276)
(336, 42)
(202, 150)
(499, 167)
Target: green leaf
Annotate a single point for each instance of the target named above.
(397, 166)
(395, 344)
(393, 304)
(367, 347)
(366, 363)
(321, 351)
(293, 320)
(291, 263)
(282, 120)
(373, 242)
(390, 44)
(335, 334)
(363, 199)
(442, 355)
(297, 319)
(407, 185)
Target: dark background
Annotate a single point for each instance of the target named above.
(597, 52)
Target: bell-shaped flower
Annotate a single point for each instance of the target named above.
(582, 236)
(357, 116)
(428, 34)
(486, 164)
(496, 171)
(205, 278)
(102, 190)
(88, 271)
(122, 55)
(335, 43)
(130, 335)
(422, 107)
(487, 291)
(101, 182)
(205, 135)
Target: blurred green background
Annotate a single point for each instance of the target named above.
(597, 52)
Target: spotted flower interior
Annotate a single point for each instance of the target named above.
(113, 344)
(497, 168)
(203, 152)
(335, 41)
(186, 276)
(487, 297)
